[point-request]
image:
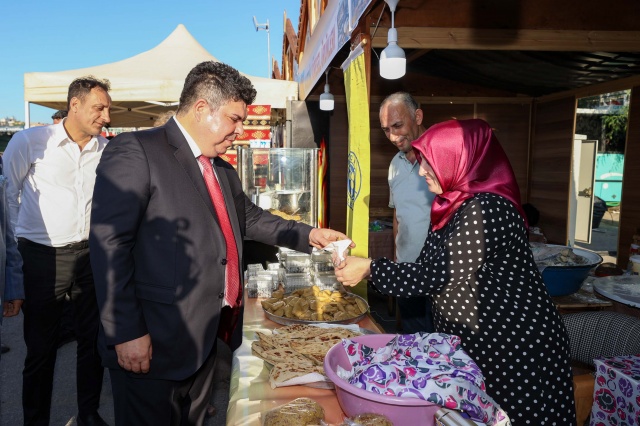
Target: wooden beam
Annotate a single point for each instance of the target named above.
(595, 89)
(492, 39)
(292, 38)
(276, 71)
(416, 54)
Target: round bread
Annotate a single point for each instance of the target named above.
(299, 412)
(372, 419)
(608, 269)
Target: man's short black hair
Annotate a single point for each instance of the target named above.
(218, 84)
(81, 87)
(59, 115)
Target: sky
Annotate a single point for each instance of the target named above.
(39, 36)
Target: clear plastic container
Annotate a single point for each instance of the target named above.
(273, 274)
(282, 255)
(297, 263)
(320, 256)
(323, 268)
(294, 282)
(321, 263)
(253, 269)
(327, 282)
(273, 266)
(260, 286)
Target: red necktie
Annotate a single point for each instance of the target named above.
(232, 281)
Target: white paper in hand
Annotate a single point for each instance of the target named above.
(338, 250)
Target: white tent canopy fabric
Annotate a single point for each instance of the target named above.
(145, 85)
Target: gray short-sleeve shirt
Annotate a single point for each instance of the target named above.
(411, 198)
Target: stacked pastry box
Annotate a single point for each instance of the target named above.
(294, 271)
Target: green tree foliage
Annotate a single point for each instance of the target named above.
(614, 127)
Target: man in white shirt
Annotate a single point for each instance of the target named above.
(51, 172)
(401, 121)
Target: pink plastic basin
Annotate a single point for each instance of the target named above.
(354, 401)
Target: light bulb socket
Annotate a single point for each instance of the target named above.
(392, 36)
(392, 4)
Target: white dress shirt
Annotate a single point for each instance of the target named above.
(51, 184)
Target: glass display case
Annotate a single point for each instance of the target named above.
(283, 181)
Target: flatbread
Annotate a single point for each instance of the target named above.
(301, 331)
(298, 350)
(285, 371)
(334, 334)
(318, 350)
(274, 356)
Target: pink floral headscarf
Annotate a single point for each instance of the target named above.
(467, 159)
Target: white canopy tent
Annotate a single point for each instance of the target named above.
(145, 85)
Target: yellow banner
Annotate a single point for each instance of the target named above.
(322, 185)
(358, 174)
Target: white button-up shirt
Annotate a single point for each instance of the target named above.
(51, 184)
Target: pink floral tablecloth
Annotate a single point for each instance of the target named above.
(616, 396)
(432, 367)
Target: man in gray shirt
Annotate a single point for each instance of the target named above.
(401, 121)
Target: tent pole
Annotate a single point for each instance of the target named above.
(269, 53)
(27, 117)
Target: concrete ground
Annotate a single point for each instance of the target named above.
(604, 239)
(64, 407)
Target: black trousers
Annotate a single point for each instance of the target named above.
(50, 274)
(139, 401)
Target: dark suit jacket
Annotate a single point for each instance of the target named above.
(157, 250)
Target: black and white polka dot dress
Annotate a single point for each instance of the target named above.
(487, 290)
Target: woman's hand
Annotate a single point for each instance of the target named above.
(353, 270)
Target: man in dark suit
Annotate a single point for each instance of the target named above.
(161, 250)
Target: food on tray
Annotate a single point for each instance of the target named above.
(284, 215)
(302, 346)
(299, 412)
(313, 304)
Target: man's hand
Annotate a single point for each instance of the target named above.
(11, 308)
(322, 237)
(353, 270)
(135, 355)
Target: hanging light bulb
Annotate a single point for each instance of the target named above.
(326, 99)
(393, 63)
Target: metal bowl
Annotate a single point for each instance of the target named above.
(288, 201)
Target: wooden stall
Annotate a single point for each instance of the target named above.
(521, 66)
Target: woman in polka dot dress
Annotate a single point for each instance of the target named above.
(477, 265)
